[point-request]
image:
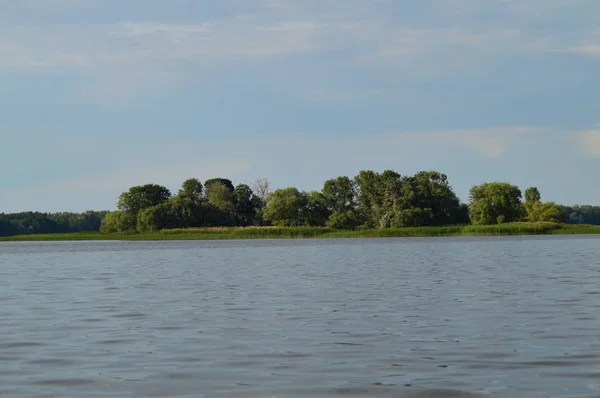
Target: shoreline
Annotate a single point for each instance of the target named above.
(224, 233)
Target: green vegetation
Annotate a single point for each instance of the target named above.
(369, 204)
(214, 233)
(45, 223)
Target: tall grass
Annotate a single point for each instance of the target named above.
(318, 232)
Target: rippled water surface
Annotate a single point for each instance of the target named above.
(421, 317)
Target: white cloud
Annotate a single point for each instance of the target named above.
(134, 43)
(589, 142)
(131, 58)
(491, 142)
(530, 9)
(287, 28)
(592, 50)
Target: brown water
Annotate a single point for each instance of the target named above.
(420, 317)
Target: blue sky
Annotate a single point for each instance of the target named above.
(100, 95)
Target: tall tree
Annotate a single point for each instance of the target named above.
(495, 203)
(220, 197)
(244, 205)
(141, 197)
(316, 211)
(535, 211)
(428, 199)
(532, 200)
(286, 207)
(368, 195)
(532, 194)
(191, 188)
(339, 193)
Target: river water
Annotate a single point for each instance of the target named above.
(415, 317)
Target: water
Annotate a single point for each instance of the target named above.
(420, 317)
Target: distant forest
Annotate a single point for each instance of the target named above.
(48, 223)
(369, 200)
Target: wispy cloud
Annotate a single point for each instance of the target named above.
(491, 142)
(589, 142)
(448, 43)
(592, 50)
(348, 32)
(285, 28)
(127, 42)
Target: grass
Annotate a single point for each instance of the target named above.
(316, 232)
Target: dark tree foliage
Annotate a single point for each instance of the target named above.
(223, 181)
(49, 223)
(141, 197)
(581, 214)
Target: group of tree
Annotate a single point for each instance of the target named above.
(48, 223)
(582, 214)
(368, 200)
(500, 202)
(217, 202)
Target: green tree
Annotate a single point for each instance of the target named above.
(545, 212)
(142, 197)
(494, 203)
(378, 197)
(191, 188)
(190, 212)
(368, 196)
(118, 221)
(536, 211)
(532, 200)
(348, 219)
(339, 193)
(285, 207)
(581, 214)
(220, 196)
(340, 197)
(427, 199)
(316, 212)
(156, 218)
(218, 181)
(244, 205)
(532, 194)
(7, 228)
(139, 198)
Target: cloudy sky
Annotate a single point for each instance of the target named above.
(100, 95)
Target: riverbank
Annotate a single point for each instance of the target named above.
(310, 232)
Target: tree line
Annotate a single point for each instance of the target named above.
(368, 200)
(26, 223)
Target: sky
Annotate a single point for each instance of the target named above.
(97, 96)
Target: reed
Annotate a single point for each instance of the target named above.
(521, 228)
